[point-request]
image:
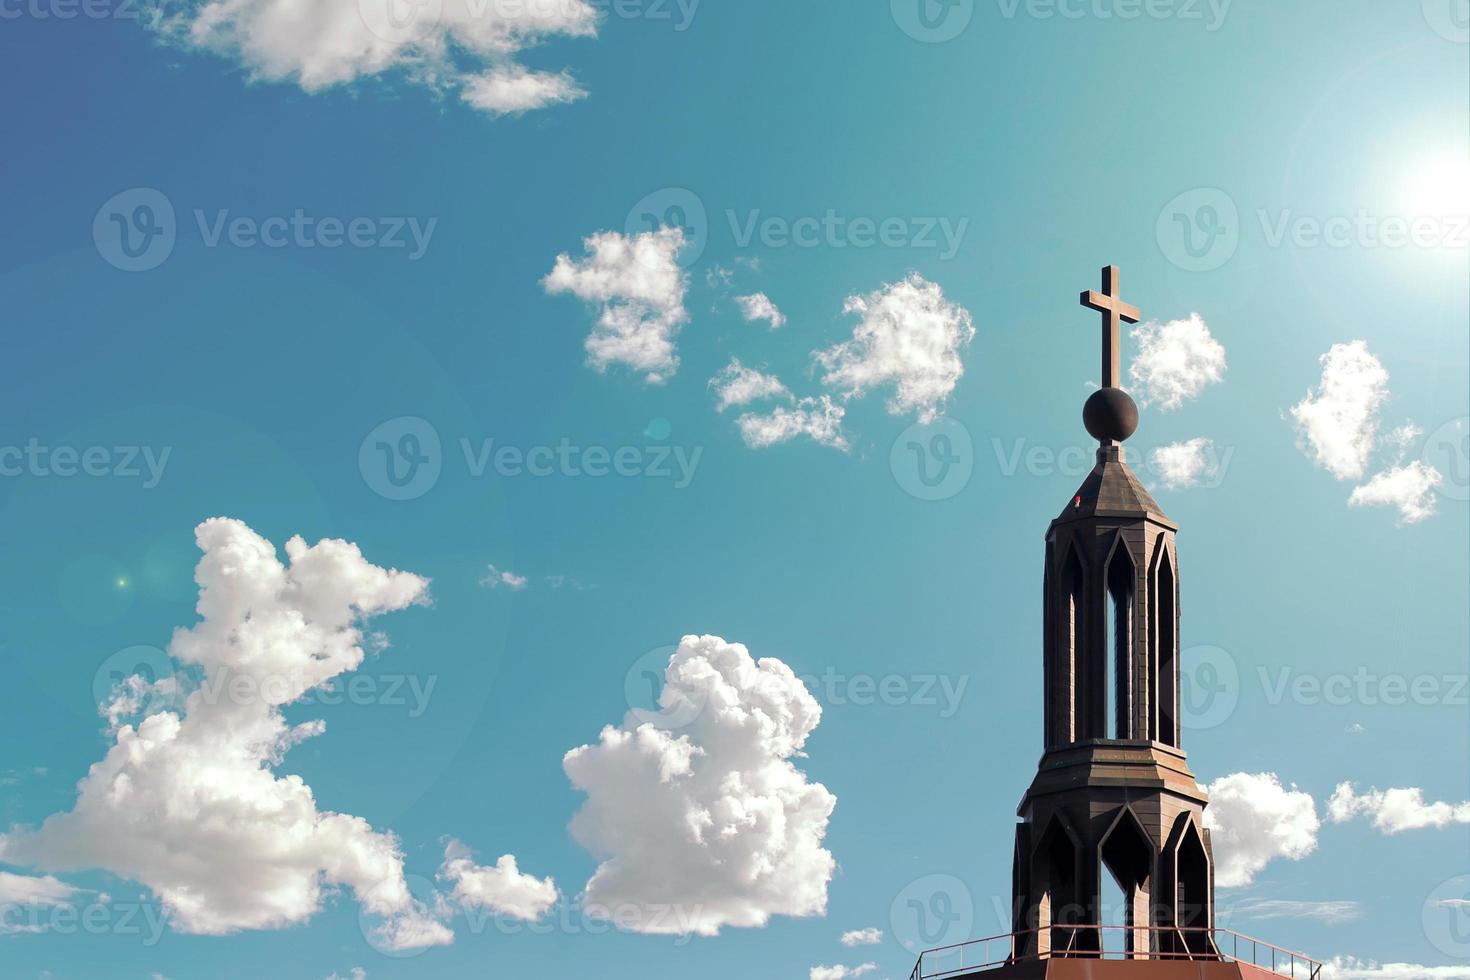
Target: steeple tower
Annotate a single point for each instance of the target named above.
(1113, 793)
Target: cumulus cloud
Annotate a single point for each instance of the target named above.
(1184, 464)
(1254, 820)
(819, 419)
(841, 972)
(187, 801)
(500, 888)
(466, 47)
(638, 289)
(1352, 968)
(908, 336)
(737, 385)
(699, 817)
(356, 973)
(870, 936)
(1394, 811)
(1409, 488)
(499, 578)
(1337, 423)
(514, 90)
(757, 307)
(1175, 361)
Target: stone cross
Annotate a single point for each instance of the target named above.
(1114, 312)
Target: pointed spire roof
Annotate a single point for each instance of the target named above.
(1111, 490)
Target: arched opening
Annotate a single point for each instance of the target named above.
(1127, 856)
(1118, 646)
(1165, 646)
(1192, 894)
(1070, 645)
(1050, 724)
(1055, 870)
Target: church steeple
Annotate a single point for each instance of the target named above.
(1113, 793)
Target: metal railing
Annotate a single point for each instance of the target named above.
(1088, 942)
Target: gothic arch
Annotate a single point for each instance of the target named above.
(1188, 903)
(1127, 853)
(1115, 665)
(1057, 884)
(1071, 679)
(1163, 643)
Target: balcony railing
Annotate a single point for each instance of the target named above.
(1145, 942)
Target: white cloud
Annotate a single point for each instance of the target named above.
(1280, 908)
(839, 972)
(356, 973)
(1410, 488)
(187, 801)
(737, 385)
(516, 89)
(1394, 811)
(496, 578)
(909, 337)
(1184, 464)
(870, 936)
(1253, 820)
(500, 888)
(25, 891)
(462, 46)
(819, 419)
(758, 306)
(1176, 361)
(699, 817)
(1338, 421)
(638, 288)
(1352, 968)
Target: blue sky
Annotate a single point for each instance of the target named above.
(1296, 175)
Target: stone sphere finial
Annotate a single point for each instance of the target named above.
(1110, 415)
